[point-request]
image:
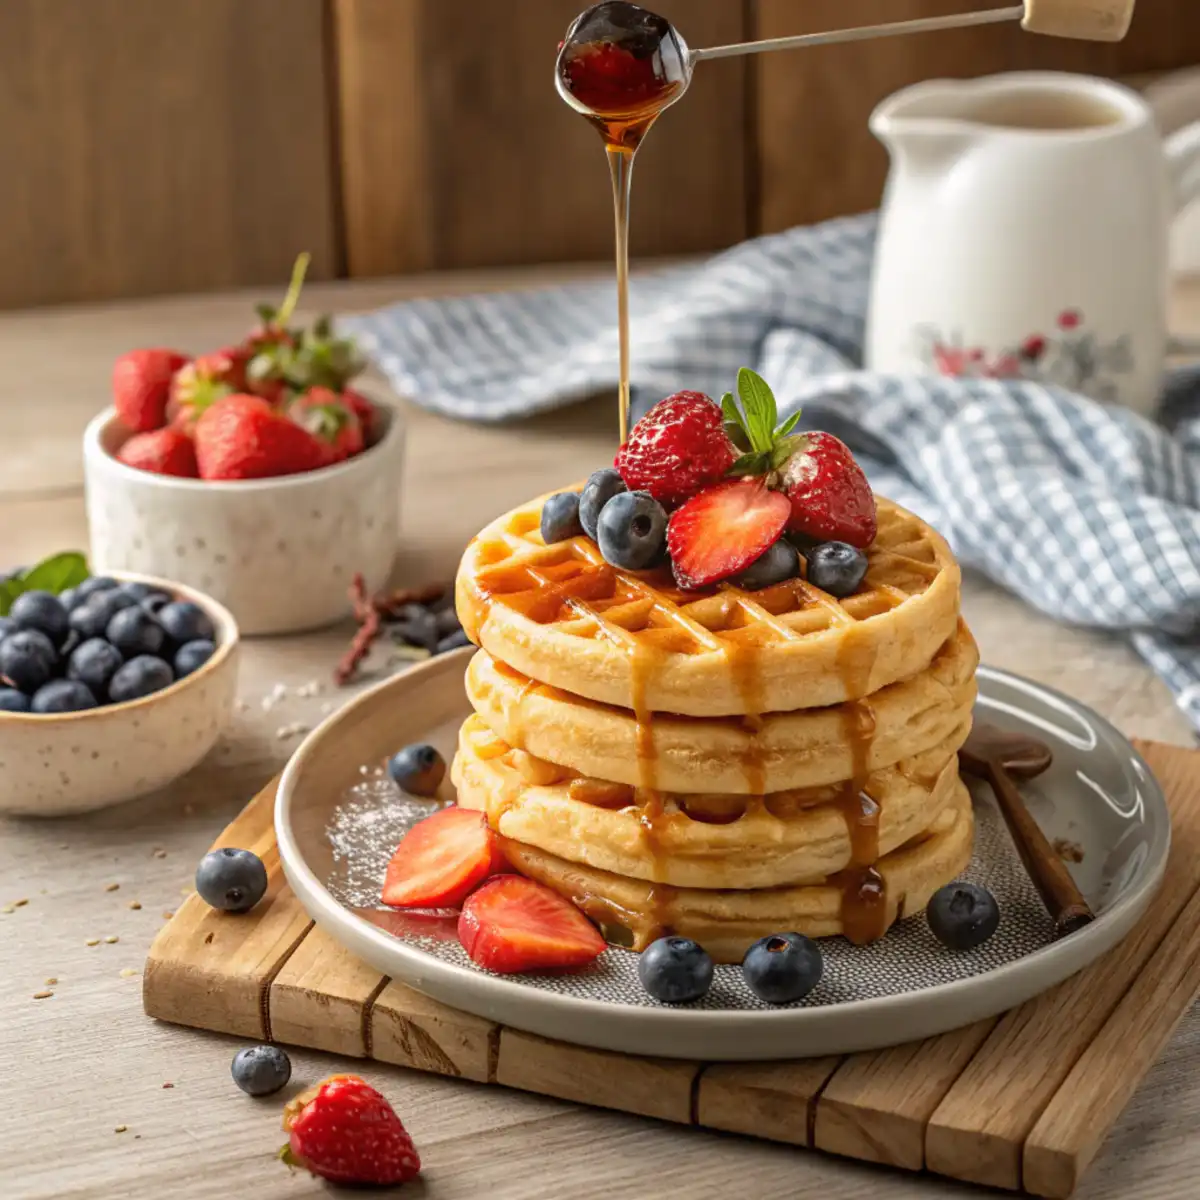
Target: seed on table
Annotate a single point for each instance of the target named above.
(186, 891)
(127, 972)
(167, 914)
(42, 995)
(112, 887)
(120, 1128)
(168, 1085)
(160, 854)
(8, 908)
(135, 904)
(20, 903)
(92, 942)
(112, 939)
(52, 981)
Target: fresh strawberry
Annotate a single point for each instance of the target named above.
(362, 408)
(723, 530)
(677, 449)
(831, 499)
(332, 421)
(163, 451)
(141, 384)
(243, 437)
(343, 1130)
(202, 382)
(516, 924)
(441, 860)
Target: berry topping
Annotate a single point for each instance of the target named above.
(191, 656)
(134, 631)
(723, 530)
(783, 967)
(141, 383)
(42, 611)
(675, 970)
(94, 663)
(27, 660)
(184, 621)
(560, 517)
(516, 924)
(418, 769)
(261, 1070)
(836, 567)
(632, 530)
(231, 880)
(600, 488)
(962, 915)
(441, 860)
(140, 676)
(243, 437)
(780, 562)
(62, 696)
(677, 449)
(162, 452)
(343, 1130)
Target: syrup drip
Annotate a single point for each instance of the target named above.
(601, 794)
(743, 663)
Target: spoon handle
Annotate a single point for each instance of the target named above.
(1063, 900)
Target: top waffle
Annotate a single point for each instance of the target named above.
(564, 617)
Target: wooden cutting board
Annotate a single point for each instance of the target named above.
(1022, 1101)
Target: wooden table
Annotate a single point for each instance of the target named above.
(85, 1063)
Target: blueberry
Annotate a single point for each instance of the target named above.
(632, 531)
(42, 611)
(7, 625)
(447, 621)
(415, 625)
(231, 880)
(139, 677)
(92, 586)
(91, 617)
(135, 591)
(70, 645)
(185, 622)
(418, 769)
(781, 561)
(560, 517)
(453, 641)
(27, 659)
(962, 915)
(836, 567)
(13, 701)
(135, 632)
(63, 696)
(67, 599)
(783, 967)
(261, 1070)
(675, 970)
(600, 488)
(154, 602)
(94, 663)
(191, 656)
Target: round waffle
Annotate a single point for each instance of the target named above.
(702, 841)
(564, 617)
(775, 752)
(725, 923)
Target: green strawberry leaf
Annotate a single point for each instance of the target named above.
(755, 463)
(758, 401)
(266, 313)
(785, 448)
(788, 425)
(54, 574)
(730, 411)
(737, 435)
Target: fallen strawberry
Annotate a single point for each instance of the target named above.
(141, 384)
(343, 1130)
(243, 437)
(161, 451)
(331, 420)
(678, 448)
(441, 860)
(516, 924)
(723, 530)
(202, 382)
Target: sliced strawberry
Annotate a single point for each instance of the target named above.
(723, 530)
(830, 497)
(441, 860)
(515, 924)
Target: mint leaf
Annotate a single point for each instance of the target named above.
(758, 401)
(788, 425)
(56, 574)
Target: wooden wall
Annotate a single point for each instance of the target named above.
(157, 146)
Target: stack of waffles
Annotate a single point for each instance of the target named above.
(721, 764)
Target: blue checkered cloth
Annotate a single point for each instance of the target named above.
(1090, 513)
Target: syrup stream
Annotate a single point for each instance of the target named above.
(620, 165)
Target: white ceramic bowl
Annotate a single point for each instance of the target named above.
(278, 553)
(53, 766)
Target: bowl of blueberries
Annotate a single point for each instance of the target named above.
(111, 686)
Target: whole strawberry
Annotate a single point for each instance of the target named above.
(205, 380)
(141, 384)
(331, 420)
(163, 451)
(243, 437)
(677, 449)
(343, 1130)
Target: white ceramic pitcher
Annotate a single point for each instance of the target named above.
(1024, 233)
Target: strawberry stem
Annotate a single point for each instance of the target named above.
(299, 270)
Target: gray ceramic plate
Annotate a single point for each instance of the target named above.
(338, 819)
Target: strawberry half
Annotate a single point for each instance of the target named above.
(516, 924)
(830, 496)
(723, 530)
(441, 860)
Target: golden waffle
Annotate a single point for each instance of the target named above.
(725, 923)
(705, 841)
(561, 615)
(688, 754)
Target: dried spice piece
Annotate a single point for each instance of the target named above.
(371, 612)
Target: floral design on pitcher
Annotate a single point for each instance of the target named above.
(1071, 357)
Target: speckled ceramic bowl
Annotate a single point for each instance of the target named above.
(278, 553)
(53, 766)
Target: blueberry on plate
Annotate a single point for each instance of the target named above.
(231, 880)
(134, 631)
(781, 561)
(62, 696)
(28, 659)
(191, 656)
(836, 567)
(560, 517)
(962, 915)
(783, 967)
(154, 602)
(42, 611)
(632, 531)
(140, 676)
(453, 641)
(94, 663)
(13, 701)
(418, 769)
(600, 488)
(675, 970)
(185, 622)
(261, 1070)
(93, 585)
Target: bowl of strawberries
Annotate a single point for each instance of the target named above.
(254, 473)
